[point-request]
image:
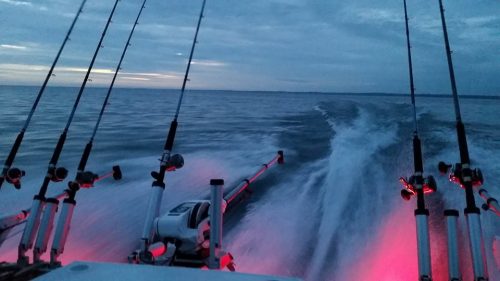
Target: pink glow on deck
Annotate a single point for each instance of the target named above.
(392, 255)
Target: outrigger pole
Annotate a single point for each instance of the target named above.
(168, 162)
(233, 194)
(417, 184)
(53, 173)
(85, 179)
(463, 175)
(13, 175)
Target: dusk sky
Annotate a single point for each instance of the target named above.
(277, 45)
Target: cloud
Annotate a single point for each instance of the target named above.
(16, 2)
(135, 78)
(320, 45)
(480, 21)
(14, 47)
(376, 16)
(66, 75)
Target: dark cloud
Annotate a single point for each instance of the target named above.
(295, 45)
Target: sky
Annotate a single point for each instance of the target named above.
(276, 45)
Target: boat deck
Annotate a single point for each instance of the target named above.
(84, 271)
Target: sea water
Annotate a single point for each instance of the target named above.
(332, 212)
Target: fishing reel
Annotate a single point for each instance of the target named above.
(409, 186)
(58, 174)
(175, 162)
(87, 179)
(459, 173)
(13, 176)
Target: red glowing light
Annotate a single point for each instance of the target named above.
(392, 255)
(158, 249)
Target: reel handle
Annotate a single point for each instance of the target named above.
(87, 179)
(444, 168)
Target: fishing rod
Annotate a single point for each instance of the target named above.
(168, 162)
(463, 175)
(417, 184)
(231, 197)
(13, 175)
(54, 173)
(85, 179)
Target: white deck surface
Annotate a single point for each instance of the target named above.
(85, 271)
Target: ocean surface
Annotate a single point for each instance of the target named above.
(332, 212)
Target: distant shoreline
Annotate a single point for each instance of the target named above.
(373, 94)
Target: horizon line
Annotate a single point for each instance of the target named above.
(375, 93)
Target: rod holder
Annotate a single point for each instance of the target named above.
(214, 260)
(45, 230)
(152, 213)
(62, 231)
(30, 230)
(423, 245)
(454, 273)
(476, 244)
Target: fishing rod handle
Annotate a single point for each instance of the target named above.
(169, 144)
(85, 156)
(11, 157)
